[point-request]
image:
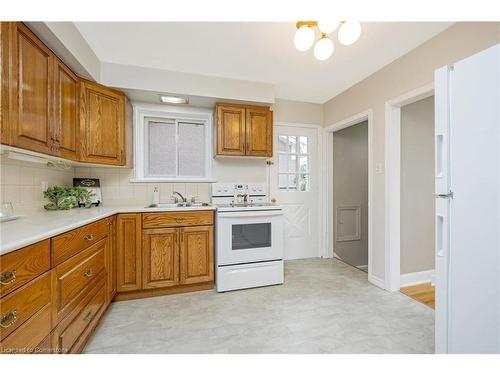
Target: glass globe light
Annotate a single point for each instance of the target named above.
(349, 32)
(327, 26)
(323, 48)
(304, 38)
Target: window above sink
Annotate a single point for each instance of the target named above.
(172, 144)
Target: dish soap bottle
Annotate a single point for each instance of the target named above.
(156, 195)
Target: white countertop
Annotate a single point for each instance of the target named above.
(44, 224)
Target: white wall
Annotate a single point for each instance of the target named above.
(409, 72)
(417, 186)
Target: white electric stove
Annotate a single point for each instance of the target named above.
(249, 237)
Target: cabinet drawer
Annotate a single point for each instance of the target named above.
(70, 243)
(74, 275)
(19, 306)
(20, 266)
(177, 219)
(32, 336)
(75, 324)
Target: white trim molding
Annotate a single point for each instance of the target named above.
(416, 278)
(393, 181)
(328, 187)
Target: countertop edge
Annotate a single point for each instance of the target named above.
(17, 245)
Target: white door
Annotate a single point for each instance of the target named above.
(294, 182)
(468, 224)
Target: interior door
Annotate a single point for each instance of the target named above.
(473, 222)
(294, 182)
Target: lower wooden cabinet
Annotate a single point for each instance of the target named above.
(196, 255)
(160, 258)
(129, 244)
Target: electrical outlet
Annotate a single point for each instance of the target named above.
(45, 185)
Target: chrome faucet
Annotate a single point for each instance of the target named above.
(180, 195)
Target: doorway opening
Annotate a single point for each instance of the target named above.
(349, 192)
(410, 190)
(350, 195)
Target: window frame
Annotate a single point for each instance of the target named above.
(143, 113)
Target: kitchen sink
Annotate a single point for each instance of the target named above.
(178, 205)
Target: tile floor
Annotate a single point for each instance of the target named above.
(325, 306)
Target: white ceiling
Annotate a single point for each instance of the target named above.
(256, 51)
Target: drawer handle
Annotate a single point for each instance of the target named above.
(87, 272)
(8, 277)
(88, 316)
(8, 319)
(88, 237)
(179, 219)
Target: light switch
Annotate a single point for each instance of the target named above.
(379, 168)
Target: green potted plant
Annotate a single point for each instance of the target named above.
(62, 198)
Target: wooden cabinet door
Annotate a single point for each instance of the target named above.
(31, 92)
(66, 130)
(197, 255)
(128, 254)
(230, 130)
(102, 124)
(111, 261)
(160, 258)
(5, 55)
(259, 132)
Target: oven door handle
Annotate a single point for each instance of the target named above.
(246, 214)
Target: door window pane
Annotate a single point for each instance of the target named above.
(251, 236)
(293, 163)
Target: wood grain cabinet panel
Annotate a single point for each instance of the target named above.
(230, 130)
(5, 106)
(31, 92)
(196, 255)
(177, 219)
(20, 266)
(31, 337)
(66, 130)
(111, 261)
(18, 306)
(160, 261)
(129, 244)
(259, 132)
(72, 278)
(102, 124)
(244, 130)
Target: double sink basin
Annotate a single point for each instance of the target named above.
(178, 205)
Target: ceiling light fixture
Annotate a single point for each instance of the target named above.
(173, 99)
(348, 33)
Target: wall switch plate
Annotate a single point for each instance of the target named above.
(45, 185)
(379, 168)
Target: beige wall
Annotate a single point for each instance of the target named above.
(350, 187)
(21, 183)
(417, 186)
(297, 112)
(411, 71)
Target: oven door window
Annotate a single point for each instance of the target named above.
(251, 236)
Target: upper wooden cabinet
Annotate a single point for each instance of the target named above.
(102, 124)
(243, 130)
(31, 91)
(46, 108)
(66, 131)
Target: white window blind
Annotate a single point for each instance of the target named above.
(162, 158)
(191, 143)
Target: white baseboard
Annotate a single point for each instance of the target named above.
(377, 281)
(415, 278)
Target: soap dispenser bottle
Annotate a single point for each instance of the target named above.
(156, 195)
